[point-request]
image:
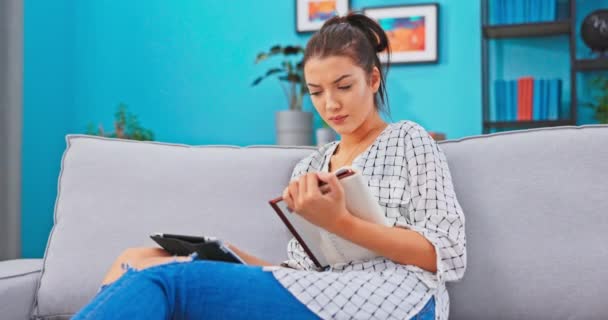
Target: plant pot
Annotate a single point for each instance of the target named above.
(325, 136)
(294, 128)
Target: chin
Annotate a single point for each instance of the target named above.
(341, 130)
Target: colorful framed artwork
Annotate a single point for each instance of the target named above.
(412, 31)
(311, 14)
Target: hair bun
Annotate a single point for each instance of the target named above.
(383, 45)
(373, 31)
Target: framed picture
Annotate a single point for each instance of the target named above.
(412, 31)
(311, 14)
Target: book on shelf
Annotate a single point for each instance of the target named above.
(526, 99)
(525, 11)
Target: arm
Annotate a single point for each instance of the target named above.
(400, 245)
(249, 259)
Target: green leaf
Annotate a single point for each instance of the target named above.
(261, 57)
(257, 81)
(291, 77)
(292, 50)
(273, 71)
(275, 49)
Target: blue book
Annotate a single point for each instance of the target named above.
(547, 98)
(542, 10)
(535, 11)
(494, 107)
(532, 11)
(542, 94)
(497, 11)
(558, 98)
(502, 109)
(520, 11)
(553, 112)
(552, 10)
(536, 100)
(512, 104)
(504, 12)
(506, 88)
(513, 97)
(501, 97)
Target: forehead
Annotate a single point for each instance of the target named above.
(328, 69)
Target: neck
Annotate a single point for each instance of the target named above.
(370, 126)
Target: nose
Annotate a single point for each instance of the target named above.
(331, 103)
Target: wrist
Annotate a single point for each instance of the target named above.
(344, 224)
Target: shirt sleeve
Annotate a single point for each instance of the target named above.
(433, 209)
(297, 257)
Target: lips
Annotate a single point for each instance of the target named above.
(337, 118)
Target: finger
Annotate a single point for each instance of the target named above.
(301, 190)
(294, 192)
(312, 185)
(287, 198)
(334, 185)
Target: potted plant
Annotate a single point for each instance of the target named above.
(126, 126)
(599, 92)
(293, 126)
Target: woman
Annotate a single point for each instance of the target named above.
(408, 173)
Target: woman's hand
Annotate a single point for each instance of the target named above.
(327, 211)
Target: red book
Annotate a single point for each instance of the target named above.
(528, 84)
(530, 97)
(521, 112)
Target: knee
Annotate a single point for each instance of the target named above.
(133, 256)
(138, 253)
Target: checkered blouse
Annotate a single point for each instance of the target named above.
(409, 175)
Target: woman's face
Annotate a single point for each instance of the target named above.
(341, 91)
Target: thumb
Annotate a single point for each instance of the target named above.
(334, 185)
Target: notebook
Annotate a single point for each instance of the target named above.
(325, 248)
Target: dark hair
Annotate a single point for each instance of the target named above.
(358, 37)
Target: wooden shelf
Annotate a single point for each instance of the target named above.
(591, 64)
(541, 29)
(527, 124)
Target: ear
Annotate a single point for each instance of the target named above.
(375, 79)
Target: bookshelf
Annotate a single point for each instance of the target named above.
(566, 26)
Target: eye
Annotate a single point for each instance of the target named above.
(345, 87)
(315, 93)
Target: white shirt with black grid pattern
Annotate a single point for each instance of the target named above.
(408, 173)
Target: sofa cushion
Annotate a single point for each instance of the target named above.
(18, 279)
(114, 193)
(536, 208)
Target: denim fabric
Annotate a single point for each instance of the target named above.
(200, 290)
(428, 312)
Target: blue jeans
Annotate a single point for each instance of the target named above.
(198, 290)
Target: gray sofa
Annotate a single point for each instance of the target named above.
(536, 207)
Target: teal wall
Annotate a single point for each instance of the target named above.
(185, 68)
(47, 107)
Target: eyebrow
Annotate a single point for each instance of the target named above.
(335, 81)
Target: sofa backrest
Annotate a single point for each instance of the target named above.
(536, 208)
(535, 202)
(114, 193)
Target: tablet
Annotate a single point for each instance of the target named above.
(207, 248)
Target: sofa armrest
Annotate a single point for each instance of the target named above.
(18, 282)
